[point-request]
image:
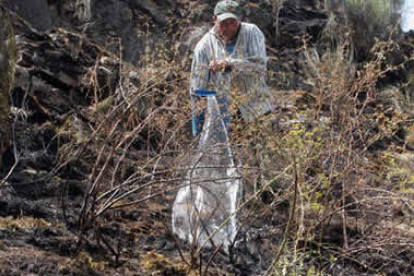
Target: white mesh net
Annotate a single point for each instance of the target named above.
(204, 210)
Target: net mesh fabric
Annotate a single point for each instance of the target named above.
(204, 209)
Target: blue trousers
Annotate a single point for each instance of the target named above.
(198, 119)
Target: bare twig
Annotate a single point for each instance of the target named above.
(289, 224)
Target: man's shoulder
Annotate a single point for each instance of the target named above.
(250, 27)
(209, 35)
(206, 39)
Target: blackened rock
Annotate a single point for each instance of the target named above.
(36, 12)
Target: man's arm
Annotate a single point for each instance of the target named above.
(257, 59)
(199, 69)
(199, 80)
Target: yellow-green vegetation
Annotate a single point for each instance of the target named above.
(332, 143)
(285, 267)
(84, 261)
(155, 264)
(154, 261)
(8, 56)
(374, 9)
(103, 106)
(399, 171)
(23, 223)
(371, 19)
(75, 129)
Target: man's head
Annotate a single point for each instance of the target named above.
(227, 15)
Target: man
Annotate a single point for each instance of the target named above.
(231, 59)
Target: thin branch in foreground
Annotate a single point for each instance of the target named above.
(289, 224)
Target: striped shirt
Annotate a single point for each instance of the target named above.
(245, 84)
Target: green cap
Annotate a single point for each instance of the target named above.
(227, 9)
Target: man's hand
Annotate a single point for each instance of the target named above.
(218, 65)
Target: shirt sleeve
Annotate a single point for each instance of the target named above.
(199, 69)
(256, 57)
(199, 79)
